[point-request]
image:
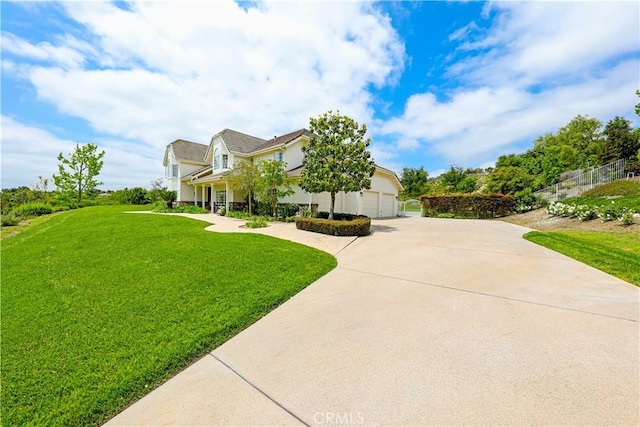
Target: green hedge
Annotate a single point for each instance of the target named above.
(469, 205)
(359, 226)
(33, 209)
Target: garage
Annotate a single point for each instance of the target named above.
(370, 204)
(388, 201)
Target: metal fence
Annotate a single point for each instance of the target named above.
(577, 185)
(411, 207)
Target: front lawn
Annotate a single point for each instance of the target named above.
(616, 254)
(100, 306)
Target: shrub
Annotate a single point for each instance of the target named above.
(33, 209)
(305, 212)
(609, 212)
(222, 211)
(286, 210)
(290, 219)
(627, 217)
(527, 201)
(162, 207)
(257, 222)
(338, 216)
(358, 226)
(134, 196)
(586, 213)
(469, 205)
(9, 220)
(239, 215)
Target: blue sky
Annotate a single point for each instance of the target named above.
(437, 83)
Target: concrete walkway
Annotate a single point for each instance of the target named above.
(425, 322)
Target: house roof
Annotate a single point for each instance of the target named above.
(240, 142)
(187, 150)
(283, 139)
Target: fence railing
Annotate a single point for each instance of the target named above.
(577, 185)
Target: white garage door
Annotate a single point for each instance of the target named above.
(387, 204)
(370, 204)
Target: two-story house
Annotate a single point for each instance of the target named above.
(199, 173)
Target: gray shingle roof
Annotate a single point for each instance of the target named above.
(240, 142)
(188, 150)
(283, 139)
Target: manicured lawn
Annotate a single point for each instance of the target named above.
(616, 254)
(100, 306)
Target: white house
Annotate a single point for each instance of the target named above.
(199, 173)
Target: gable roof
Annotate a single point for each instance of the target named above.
(187, 150)
(240, 142)
(283, 139)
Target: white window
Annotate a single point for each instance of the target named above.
(279, 156)
(216, 159)
(225, 161)
(221, 197)
(171, 171)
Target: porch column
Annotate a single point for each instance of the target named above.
(213, 198)
(195, 195)
(226, 201)
(204, 196)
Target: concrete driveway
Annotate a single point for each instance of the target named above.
(425, 322)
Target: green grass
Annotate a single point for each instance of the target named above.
(621, 187)
(616, 254)
(99, 306)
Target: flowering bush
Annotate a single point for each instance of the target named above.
(608, 212)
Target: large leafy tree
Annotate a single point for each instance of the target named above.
(77, 173)
(336, 157)
(274, 183)
(508, 180)
(458, 180)
(621, 143)
(414, 181)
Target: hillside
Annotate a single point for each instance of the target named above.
(619, 191)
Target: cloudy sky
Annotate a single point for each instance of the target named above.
(437, 83)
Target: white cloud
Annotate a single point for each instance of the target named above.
(550, 42)
(536, 68)
(29, 152)
(191, 69)
(167, 70)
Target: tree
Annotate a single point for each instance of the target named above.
(336, 158)
(508, 180)
(246, 178)
(621, 143)
(458, 180)
(274, 183)
(414, 181)
(77, 173)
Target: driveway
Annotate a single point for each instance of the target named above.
(424, 322)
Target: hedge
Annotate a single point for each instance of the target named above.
(358, 226)
(469, 205)
(33, 209)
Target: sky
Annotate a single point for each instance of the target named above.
(438, 83)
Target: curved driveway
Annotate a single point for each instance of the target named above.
(424, 322)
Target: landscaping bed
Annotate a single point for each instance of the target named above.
(341, 225)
